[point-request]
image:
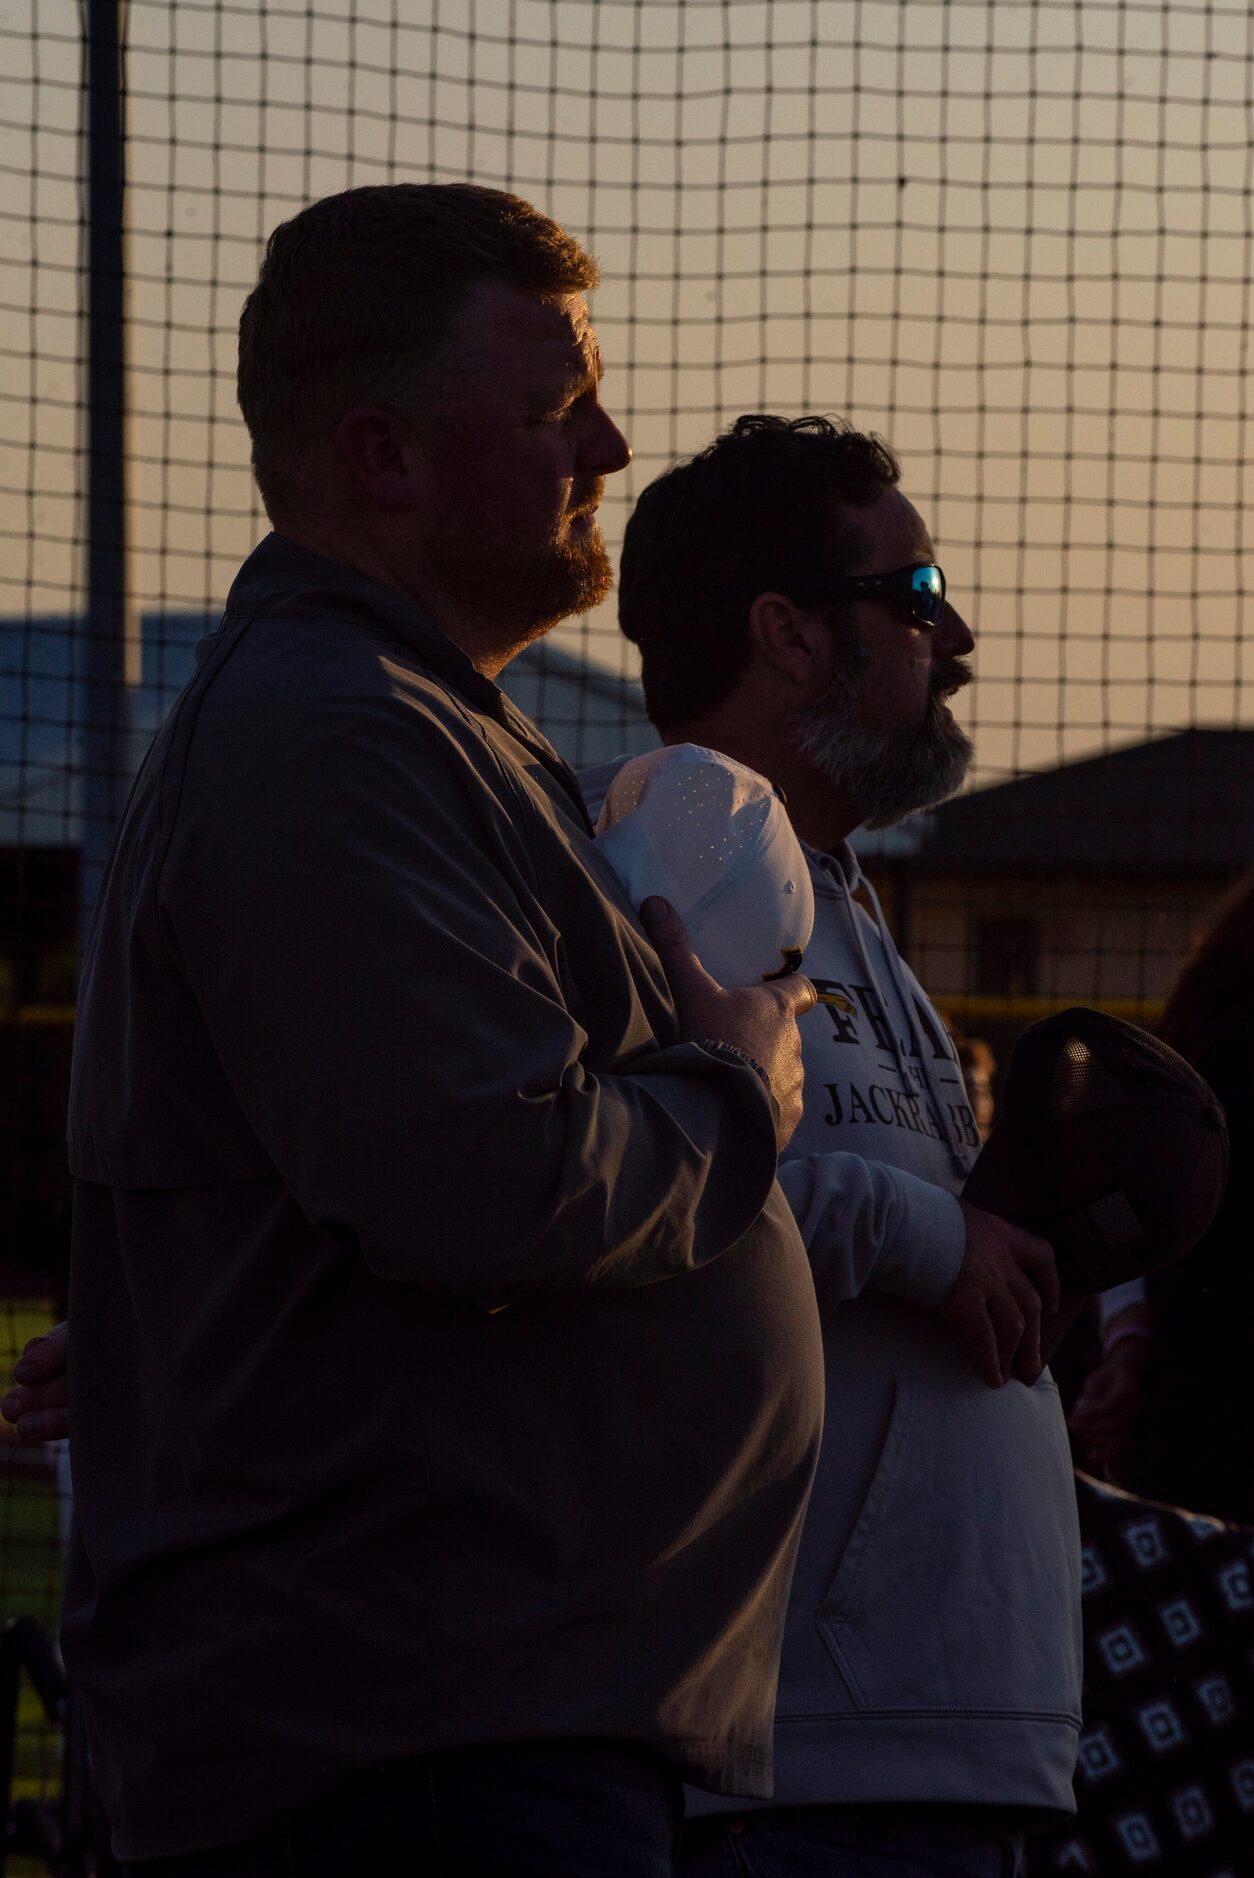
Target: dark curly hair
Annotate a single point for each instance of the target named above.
(771, 504)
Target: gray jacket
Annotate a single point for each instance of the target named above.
(446, 1360)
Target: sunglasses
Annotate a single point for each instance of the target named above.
(919, 592)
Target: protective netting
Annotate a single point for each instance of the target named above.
(1014, 239)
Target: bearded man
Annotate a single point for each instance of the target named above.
(447, 1377)
(789, 612)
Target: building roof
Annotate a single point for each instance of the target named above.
(1178, 804)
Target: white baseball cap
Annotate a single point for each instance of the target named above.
(714, 839)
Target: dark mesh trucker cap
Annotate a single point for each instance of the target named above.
(1109, 1145)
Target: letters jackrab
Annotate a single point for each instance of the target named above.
(889, 1104)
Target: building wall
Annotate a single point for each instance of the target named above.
(1112, 939)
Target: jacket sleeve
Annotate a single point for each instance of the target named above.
(350, 915)
(871, 1227)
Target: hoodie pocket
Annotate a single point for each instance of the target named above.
(959, 1587)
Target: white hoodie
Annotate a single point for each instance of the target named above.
(932, 1650)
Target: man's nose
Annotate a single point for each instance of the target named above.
(606, 450)
(953, 638)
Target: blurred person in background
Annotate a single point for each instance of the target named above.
(979, 1067)
(1169, 1410)
(784, 596)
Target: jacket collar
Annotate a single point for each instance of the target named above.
(281, 578)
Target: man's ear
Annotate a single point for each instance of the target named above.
(791, 640)
(376, 447)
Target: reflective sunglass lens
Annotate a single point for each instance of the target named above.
(928, 586)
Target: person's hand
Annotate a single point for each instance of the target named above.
(758, 1020)
(1104, 1413)
(1006, 1285)
(38, 1406)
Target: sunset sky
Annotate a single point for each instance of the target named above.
(1015, 238)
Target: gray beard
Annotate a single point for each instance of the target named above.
(887, 774)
